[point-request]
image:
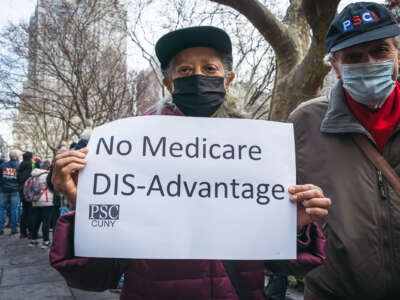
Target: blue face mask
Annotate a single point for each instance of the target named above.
(369, 83)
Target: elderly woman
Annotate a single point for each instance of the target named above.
(197, 65)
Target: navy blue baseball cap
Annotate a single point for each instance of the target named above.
(360, 23)
(170, 44)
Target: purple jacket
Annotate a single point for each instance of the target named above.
(174, 279)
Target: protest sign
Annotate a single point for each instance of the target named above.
(166, 187)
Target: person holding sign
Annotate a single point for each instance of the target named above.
(197, 65)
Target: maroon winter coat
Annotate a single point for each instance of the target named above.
(174, 279)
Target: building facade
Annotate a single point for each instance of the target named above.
(77, 73)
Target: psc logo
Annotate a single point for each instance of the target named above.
(103, 215)
(365, 17)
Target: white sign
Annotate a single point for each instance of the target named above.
(166, 187)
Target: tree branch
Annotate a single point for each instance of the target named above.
(319, 16)
(274, 32)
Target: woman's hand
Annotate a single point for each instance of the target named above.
(311, 203)
(65, 172)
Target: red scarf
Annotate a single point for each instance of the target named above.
(382, 123)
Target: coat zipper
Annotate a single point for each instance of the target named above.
(387, 247)
(388, 240)
(381, 186)
(385, 234)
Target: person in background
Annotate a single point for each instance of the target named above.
(43, 208)
(23, 173)
(276, 287)
(57, 198)
(36, 162)
(9, 193)
(61, 203)
(335, 140)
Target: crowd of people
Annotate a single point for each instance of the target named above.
(28, 201)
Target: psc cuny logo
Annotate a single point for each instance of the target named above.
(103, 215)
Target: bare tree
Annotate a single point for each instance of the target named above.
(298, 43)
(148, 90)
(76, 73)
(39, 133)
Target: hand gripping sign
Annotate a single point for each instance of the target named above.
(163, 187)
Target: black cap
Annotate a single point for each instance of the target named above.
(360, 23)
(174, 42)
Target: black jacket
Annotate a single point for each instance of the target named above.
(8, 176)
(23, 173)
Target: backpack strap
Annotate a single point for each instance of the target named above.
(236, 280)
(45, 191)
(38, 175)
(45, 172)
(378, 160)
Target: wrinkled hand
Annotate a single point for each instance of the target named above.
(65, 172)
(311, 203)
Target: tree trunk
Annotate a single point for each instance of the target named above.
(300, 69)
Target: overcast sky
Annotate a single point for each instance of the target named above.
(17, 10)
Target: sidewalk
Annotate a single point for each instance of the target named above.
(25, 274)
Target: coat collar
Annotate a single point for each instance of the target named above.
(339, 118)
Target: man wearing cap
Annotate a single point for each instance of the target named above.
(197, 65)
(363, 226)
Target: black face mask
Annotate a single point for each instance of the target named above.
(198, 95)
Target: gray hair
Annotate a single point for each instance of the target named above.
(45, 164)
(13, 155)
(227, 64)
(328, 58)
